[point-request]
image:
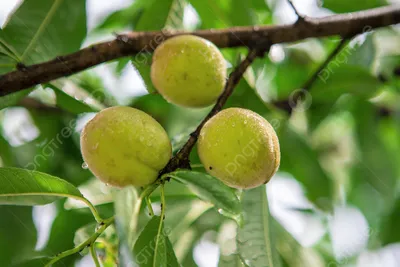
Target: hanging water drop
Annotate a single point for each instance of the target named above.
(84, 166)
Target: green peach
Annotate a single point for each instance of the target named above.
(125, 146)
(188, 71)
(240, 148)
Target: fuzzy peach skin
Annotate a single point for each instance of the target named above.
(188, 71)
(240, 148)
(125, 146)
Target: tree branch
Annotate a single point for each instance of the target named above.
(308, 84)
(181, 159)
(143, 42)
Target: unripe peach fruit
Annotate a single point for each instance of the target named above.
(240, 148)
(188, 71)
(125, 146)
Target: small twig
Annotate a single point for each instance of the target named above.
(300, 18)
(103, 226)
(181, 159)
(292, 102)
(93, 209)
(308, 84)
(94, 255)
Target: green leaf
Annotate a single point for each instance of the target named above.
(230, 261)
(175, 16)
(155, 16)
(93, 84)
(37, 261)
(299, 159)
(390, 227)
(344, 6)
(69, 103)
(209, 189)
(223, 14)
(294, 253)
(83, 234)
(181, 214)
(6, 152)
(42, 29)
(66, 223)
(211, 14)
(164, 14)
(255, 239)
(123, 18)
(228, 254)
(153, 247)
(142, 62)
(337, 80)
(288, 75)
(18, 234)
(7, 58)
(363, 54)
(13, 99)
(318, 112)
(260, 5)
(374, 163)
(157, 107)
(247, 15)
(388, 63)
(127, 208)
(24, 187)
(246, 97)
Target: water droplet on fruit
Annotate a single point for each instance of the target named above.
(220, 210)
(233, 124)
(84, 166)
(95, 146)
(245, 122)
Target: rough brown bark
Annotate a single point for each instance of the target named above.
(138, 42)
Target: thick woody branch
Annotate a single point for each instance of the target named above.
(181, 159)
(137, 42)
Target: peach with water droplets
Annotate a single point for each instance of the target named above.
(240, 148)
(189, 71)
(125, 146)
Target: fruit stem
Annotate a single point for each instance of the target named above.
(162, 202)
(93, 209)
(94, 255)
(89, 242)
(149, 190)
(148, 202)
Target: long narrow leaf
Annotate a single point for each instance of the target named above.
(24, 187)
(255, 238)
